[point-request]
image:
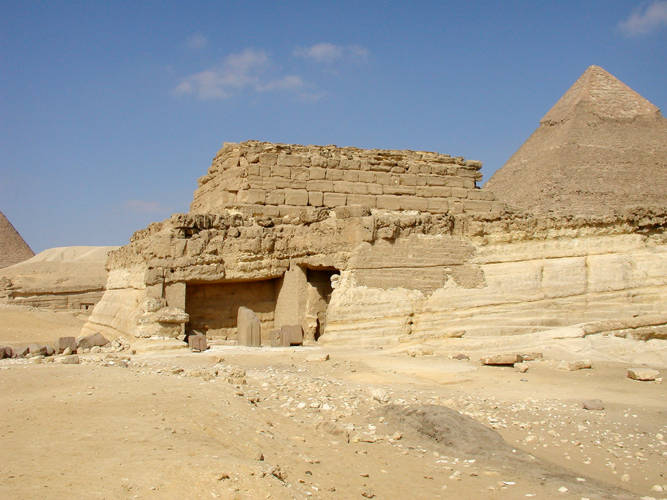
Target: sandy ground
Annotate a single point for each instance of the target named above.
(367, 423)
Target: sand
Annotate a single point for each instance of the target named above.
(373, 423)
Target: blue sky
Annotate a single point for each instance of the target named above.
(110, 111)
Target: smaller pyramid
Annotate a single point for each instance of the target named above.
(13, 249)
(601, 148)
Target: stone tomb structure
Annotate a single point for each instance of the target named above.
(369, 246)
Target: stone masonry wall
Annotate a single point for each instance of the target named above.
(277, 179)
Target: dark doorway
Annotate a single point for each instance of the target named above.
(320, 281)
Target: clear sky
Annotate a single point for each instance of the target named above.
(110, 111)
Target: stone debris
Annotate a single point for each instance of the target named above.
(93, 340)
(521, 367)
(197, 342)
(72, 359)
(317, 357)
(66, 343)
(581, 364)
(507, 359)
(642, 374)
(592, 404)
(460, 356)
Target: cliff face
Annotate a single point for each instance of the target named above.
(358, 274)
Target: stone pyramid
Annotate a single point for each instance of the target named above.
(601, 148)
(12, 247)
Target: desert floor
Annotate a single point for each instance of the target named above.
(405, 421)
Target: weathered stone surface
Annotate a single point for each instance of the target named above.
(72, 359)
(507, 359)
(249, 328)
(95, 339)
(580, 364)
(291, 334)
(65, 342)
(592, 404)
(197, 342)
(36, 350)
(643, 374)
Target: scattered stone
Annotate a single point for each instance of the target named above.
(530, 356)
(592, 404)
(36, 350)
(521, 367)
(563, 489)
(507, 359)
(197, 342)
(89, 341)
(66, 343)
(259, 457)
(643, 374)
(580, 364)
(72, 359)
(380, 395)
(68, 351)
(318, 357)
(460, 356)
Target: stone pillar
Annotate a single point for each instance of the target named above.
(249, 328)
(291, 297)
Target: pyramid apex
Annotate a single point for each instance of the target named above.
(599, 93)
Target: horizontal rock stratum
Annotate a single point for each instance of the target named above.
(362, 246)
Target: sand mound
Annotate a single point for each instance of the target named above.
(62, 269)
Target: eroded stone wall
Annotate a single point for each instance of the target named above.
(276, 179)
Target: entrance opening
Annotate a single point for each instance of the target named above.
(213, 307)
(319, 296)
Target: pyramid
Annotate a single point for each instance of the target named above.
(12, 247)
(601, 148)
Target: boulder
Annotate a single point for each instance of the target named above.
(507, 359)
(592, 404)
(22, 351)
(249, 328)
(643, 374)
(72, 359)
(530, 356)
(292, 334)
(95, 339)
(65, 342)
(580, 364)
(50, 351)
(36, 350)
(197, 342)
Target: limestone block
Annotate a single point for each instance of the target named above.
(249, 328)
(276, 338)
(385, 179)
(398, 189)
(343, 187)
(297, 197)
(300, 173)
(251, 196)
(389, 202)
(459, 192)
(96, 339)
(315, 198)
(580, 364)
(281, 171)
(197, 342)
(438, 205)
(374, 189)
(317, 173)
(334, 175)
(408, 180)
(334, 199)
(643, 374)
(290, 160)
(414, 203)
(366, 176)
(350, 164)
(433, 180)
(268, 159)
(507, 359)
(320, 185)
(284, 183)
(481, 194)
(434, 191)
(275, 197)
(477, 205)
(364, 200)
(351, 175)
(291, 335)
(65, 342)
